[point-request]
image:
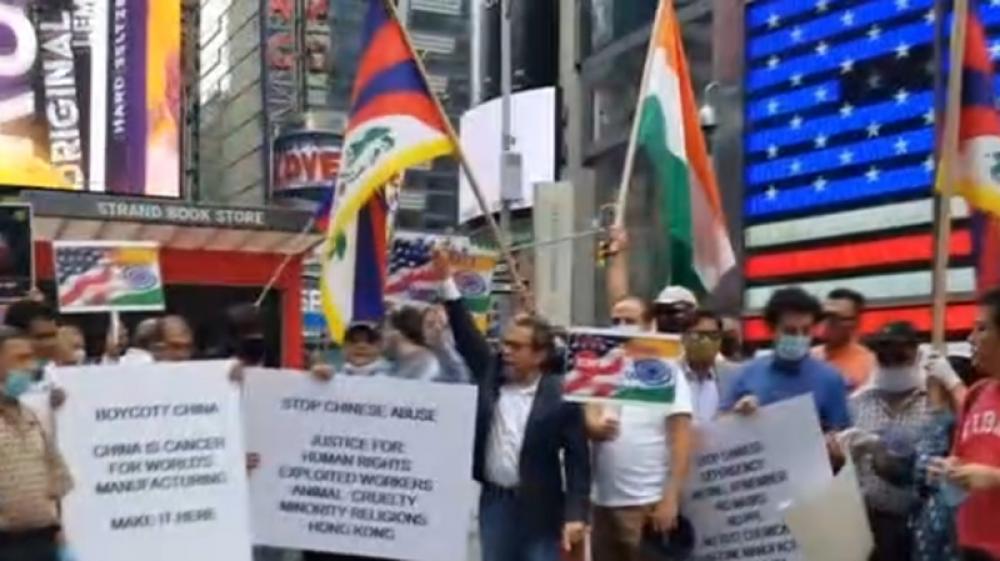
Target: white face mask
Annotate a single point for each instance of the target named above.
(379, 366)
(626, 328)
(792, 348)
(79, 356)
(898, 379)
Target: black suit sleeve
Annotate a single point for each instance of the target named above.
(576, 458)
(469, 342)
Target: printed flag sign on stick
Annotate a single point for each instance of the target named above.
(412, 278)
(108, 276)
(610, 366)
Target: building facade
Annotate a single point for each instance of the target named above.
(227, 154)
(441, 33)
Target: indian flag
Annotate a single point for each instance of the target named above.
(669, 132)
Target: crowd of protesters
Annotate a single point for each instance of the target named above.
(923, 429)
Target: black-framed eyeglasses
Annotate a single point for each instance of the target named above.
(618, 322)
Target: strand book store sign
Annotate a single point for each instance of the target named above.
(374, 467)
(88, 103)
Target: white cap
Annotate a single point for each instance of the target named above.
(677, 295)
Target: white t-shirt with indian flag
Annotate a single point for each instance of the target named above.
(631, 470)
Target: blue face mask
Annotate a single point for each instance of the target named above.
(792, 348)
(65, 554)
(17, 383)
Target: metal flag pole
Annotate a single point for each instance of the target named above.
(633, 137)
(463, 161)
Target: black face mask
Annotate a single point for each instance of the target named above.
(730, 347)
(673, 318)
(251, 350)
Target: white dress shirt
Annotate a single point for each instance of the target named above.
(704, 395)
(503, 447)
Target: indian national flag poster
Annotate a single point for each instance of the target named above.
(669, 134)
(108, 276)
(626, 368)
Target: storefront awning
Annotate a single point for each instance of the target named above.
(59, 215)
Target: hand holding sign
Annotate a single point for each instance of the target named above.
(441, 262)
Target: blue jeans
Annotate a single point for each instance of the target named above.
(502, 534)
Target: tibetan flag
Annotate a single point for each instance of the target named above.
(394, 123)
(979, 151)
(670, 135)
(321, 220)
(986, 249)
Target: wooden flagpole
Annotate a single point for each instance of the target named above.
(948, 174)
(623, 186)
(463, 161)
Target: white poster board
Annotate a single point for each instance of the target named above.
(366, 466)
(156, 454)
(746, 469)
(832, 524)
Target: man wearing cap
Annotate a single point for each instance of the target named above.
(889, 415)
(641, 459)
(363, 350)
(673, 309)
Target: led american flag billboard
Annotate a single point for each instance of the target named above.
(839, 144)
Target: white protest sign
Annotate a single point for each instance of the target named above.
(156, 454)
(365, 466)
(746, 468)
(831, 524)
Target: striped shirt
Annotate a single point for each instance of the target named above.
(33, 476)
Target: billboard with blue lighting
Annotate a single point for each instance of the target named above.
(839, 148)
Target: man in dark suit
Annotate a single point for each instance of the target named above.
(525, 436)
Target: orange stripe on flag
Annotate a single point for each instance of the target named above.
(669, 39)
(135, 256)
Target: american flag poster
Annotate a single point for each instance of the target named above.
(411, 278)
(108, 276)
(611, 366)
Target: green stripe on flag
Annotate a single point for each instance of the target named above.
(153, 297)
(674, 196)
(478, 305)
(654, 395)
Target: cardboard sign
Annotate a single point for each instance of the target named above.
(156, 454)
(624, 368)
(746, 470)
(366, 466)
